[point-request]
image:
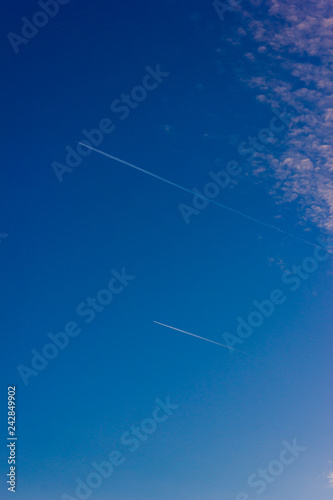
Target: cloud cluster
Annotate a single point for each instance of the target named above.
(291, 57)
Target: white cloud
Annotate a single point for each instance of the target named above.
(293, 66)
(330, 479)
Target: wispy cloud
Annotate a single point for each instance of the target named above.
(292, 58)
(330, 479)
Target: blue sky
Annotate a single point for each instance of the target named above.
(66, 241)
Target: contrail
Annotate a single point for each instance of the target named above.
(197, 336)
(200, 196)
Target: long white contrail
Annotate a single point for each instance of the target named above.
(200, 196)
(197, 336)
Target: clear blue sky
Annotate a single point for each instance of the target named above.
(224, 79)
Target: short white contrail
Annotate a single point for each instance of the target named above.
(197, 336)
(200, 196)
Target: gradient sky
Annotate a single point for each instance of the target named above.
(64, 239)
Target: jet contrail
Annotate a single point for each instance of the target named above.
(197, 336)
(200, 196)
